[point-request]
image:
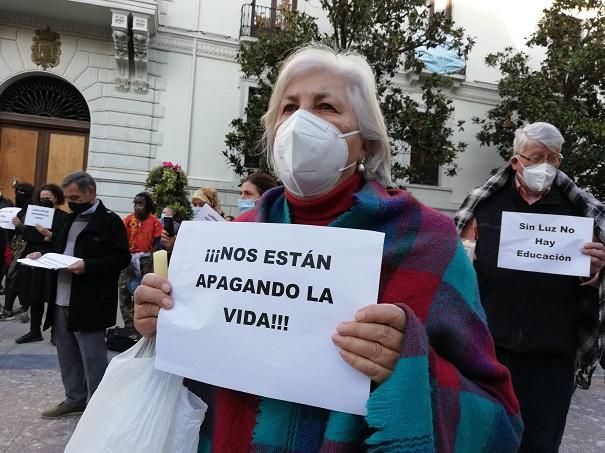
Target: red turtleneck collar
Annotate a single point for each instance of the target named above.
(325, 209)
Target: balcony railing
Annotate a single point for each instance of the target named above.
(259, 21)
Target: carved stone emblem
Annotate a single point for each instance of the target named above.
(46, 48)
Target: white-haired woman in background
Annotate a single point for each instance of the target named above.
(426, 346)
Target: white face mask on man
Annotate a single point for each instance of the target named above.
(310, 154)
(538, 177)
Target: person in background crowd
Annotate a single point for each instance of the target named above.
(168, 240)
(4, 203)
(24, 193)
(206, 195)
(253, 187)
(535, 318)
(144, 231)
(437, 385)
(86, 298)
(35, 284)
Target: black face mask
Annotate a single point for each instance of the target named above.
(46, 203)
(79, 208)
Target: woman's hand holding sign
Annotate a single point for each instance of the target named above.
(149, 297)
(372, 343)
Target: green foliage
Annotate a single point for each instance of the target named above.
(260, 61)
(567, 90)
(167, 185)
(388, 35)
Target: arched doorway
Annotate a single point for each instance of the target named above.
(44, 126)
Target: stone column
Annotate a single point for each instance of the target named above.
(120, 34)
(140, 40)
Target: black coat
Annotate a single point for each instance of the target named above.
(35, 241)
(103, 245)
(527, 312)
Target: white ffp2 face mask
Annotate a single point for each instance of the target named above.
(539, 177)
(310, 154)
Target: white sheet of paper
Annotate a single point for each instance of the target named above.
(545, 243)
(221, 337)
(208, 214)
(6, 217)
(51, 261)
(39, 215)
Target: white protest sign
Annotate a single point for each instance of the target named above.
(208, 214)
(51, 261)
(255, 306)
(6, 217)
(545, 243)
(39, 215)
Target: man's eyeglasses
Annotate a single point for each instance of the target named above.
(551, 158)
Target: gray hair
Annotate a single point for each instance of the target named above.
(544, 133)
(362, 95)
(83, 180)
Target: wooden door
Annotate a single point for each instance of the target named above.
(66, 154)
(39, 151)
(18, 156)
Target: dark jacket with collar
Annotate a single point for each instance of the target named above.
(529, 312)
(103, 245)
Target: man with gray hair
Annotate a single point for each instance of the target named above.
(539, 321)
(87, 292)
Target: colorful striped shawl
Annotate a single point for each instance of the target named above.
(447, 392)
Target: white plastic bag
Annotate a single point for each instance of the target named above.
(138, 409)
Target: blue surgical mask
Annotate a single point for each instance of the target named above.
(245, 205)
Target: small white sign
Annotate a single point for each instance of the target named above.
(6, 217)
(206, 213)
(545, 243)
(51, 261)
(256, 305)
(39, 215)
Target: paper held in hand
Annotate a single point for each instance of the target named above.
(39, 215)
(256, 305)
(51, 261)
(545, 243)
(6, 217)
(208, 214)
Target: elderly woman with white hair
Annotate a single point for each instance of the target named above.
(436, 383)
(544, 325)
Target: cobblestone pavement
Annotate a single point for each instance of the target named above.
(30, 382)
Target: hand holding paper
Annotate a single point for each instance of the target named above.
(77, 268)
(373, 342)
(51, 261)
(149, 297)
(39, 215)
(6, 217)
(43, 231)
(206, 213)
(266, 290)
(596, 251)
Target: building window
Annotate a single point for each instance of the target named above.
(264, 17)
(44, 96)
(438, 6)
